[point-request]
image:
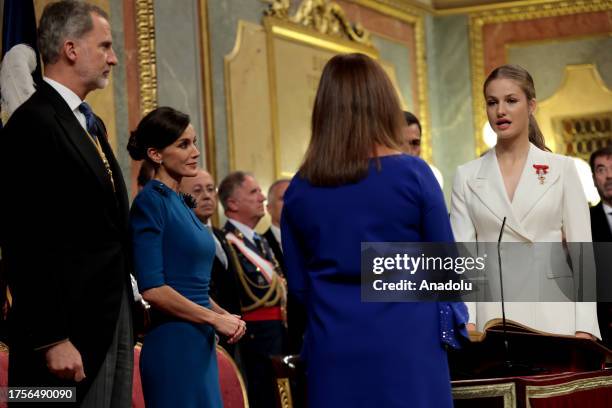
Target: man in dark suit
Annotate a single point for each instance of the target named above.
(262, 289)
(68, 267)
(296, 312)
(601, 229)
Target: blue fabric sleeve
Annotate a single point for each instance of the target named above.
(436, 227)
(147, 219)
(295, 260)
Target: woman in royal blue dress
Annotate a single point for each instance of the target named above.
(173, 255)
(356, 186)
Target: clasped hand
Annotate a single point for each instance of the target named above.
(230, 326)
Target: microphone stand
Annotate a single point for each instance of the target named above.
(501, 286)
(510, 367)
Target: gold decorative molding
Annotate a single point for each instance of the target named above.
(209, 128)
(321, 15)
(504, 14)
(548, 391)
(505, 390)
(278, 9)
(145, 32)
(284, 392)
(491, 6)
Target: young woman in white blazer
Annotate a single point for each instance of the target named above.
(537, 191)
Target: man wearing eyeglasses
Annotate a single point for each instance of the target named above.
(412, 135)
(601, 228)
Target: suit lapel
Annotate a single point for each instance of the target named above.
(530, 189)
(600, 226)
(488, 186)
(77, 136)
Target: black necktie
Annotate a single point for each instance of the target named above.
(90, 119)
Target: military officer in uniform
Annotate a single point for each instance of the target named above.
(261, 286)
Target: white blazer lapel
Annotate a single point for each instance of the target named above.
(532, 187)
(488, 186)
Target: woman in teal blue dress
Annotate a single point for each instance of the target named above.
(173, 255)
(356, 186)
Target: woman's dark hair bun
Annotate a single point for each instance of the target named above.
(135, 150)
(158, 129)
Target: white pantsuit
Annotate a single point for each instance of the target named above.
(541, 211)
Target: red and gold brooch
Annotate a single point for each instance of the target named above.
(541, 171)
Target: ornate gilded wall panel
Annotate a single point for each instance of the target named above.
(269, 105)
(292, 91)
(247, 95)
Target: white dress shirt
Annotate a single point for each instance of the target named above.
(248, 232)
(71, 99)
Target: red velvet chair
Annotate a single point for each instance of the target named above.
(233, 390)
(3, 369)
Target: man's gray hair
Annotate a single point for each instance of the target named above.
(63, 20)
(229, 184)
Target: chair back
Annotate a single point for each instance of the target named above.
(233, 390)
